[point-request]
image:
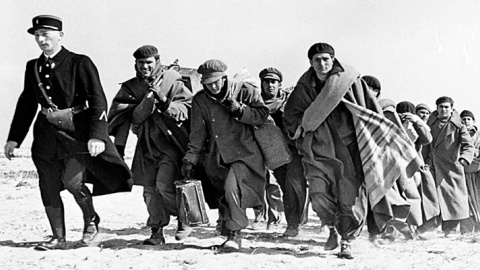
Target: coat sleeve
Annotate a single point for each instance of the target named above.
(198, 132)
(466, 145)
(25, 111)
(180, 101)
(423, 131)
(295, 107)
(255, 112)
(97, 102)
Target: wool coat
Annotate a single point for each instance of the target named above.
(132, 108)
(72, 80)
(448, 146)
(221, 140)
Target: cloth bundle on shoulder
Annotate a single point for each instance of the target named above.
(269, 137)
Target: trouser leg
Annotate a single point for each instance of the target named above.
(274, 199)
(235, 216)
(323, 201)
(292, 180)
(467, 225)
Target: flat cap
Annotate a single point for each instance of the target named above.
(444, 99)
(211, 71)
(467, 113)
(146, 51)
(45, 21)
(320, 48)
(422, 106)
(387, 103)
(271, 73)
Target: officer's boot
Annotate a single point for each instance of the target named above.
(57, 223)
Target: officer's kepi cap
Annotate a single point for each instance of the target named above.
(45, 21)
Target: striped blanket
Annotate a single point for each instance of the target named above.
(385, 150)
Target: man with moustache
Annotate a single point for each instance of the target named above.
(66, 159)
(157, 113)
(450, 151)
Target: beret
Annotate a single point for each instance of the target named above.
(405, 106)
(466, 113)
(372, 82)
(45, 21)
(320, 48)
(422, 106)
(146, 51)
(444, 99)
(211, 71)
(271, 73)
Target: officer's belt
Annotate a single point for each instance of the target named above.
(75, 110)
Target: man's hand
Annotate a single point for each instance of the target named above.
(9, 147)
(463, 162)
(96, 147)
(411, 117)
(233, 107)
(187, 168)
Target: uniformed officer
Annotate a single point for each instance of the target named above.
(66, 159)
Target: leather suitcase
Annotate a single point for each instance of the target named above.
(191, 201)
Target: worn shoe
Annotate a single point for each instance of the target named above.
(183, 231)
(345, 251)
(291, 231)
(332, 241)
(54, 243)
(90, 230)
(156, 238)
(234, 242)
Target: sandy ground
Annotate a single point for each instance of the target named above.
(23, 223)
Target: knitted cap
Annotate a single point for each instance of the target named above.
(320, 48)
(466, 113)
(211, 71)
(405, 106)
(422, 106)
(372, 82)
(271, 73)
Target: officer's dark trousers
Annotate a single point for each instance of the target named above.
(57, 174)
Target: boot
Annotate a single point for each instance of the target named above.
(291, 231)
(156, 238)
(234, 241)
(332, 241)
(90, 218)
(346, 250)
(57, 223)
(183, 231)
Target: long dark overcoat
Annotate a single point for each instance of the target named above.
(72, 81)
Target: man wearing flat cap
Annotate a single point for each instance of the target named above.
(223, 116)
(330, 116)
(472, 176)
(448, 154)
(423, 111)
(157, 113)
(289, 176)
(66, 83)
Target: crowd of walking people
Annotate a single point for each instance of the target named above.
(359, 160)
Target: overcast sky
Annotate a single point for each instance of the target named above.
(419, 50)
